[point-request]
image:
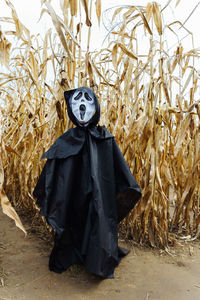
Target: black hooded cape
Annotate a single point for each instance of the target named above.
(85, 189)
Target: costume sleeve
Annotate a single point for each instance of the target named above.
(127, 189)
(44, 184)
(39, 191)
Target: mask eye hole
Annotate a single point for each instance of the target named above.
(78, 96)
(88, 97)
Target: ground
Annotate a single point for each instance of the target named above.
(144, 274)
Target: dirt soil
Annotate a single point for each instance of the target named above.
(144, 274)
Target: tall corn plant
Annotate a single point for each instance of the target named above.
(149, 102)
(159, 131)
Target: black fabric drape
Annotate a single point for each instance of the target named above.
(84, 191)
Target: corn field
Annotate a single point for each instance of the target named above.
(150, 102)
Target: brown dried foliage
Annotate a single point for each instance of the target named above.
(144, 104)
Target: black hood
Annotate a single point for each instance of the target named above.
(68, 97)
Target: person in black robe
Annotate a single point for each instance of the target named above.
(85, 189)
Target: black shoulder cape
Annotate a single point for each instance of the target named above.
(85, 189)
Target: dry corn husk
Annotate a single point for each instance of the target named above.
(149, 102)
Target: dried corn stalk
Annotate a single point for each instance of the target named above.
(149, 102)
(5, 203)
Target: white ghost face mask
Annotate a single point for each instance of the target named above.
(83, 106)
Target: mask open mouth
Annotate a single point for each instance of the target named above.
(82, 109)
